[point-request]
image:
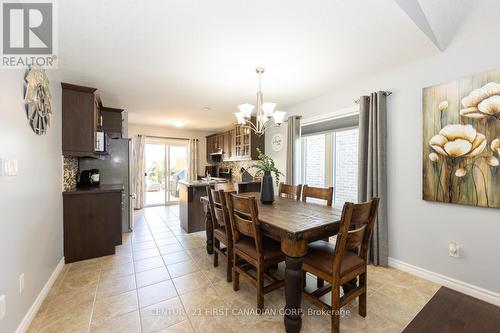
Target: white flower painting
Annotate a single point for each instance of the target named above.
(461, 146)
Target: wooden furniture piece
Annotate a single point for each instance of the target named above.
(245, 187)
(237, 144)
(112, 122)
(209, 226)
(343, 262)
(318, 193)
(92, 222)
(221, 229)
(81, 120)
(289, 191)
(226, 187)
(251, 249)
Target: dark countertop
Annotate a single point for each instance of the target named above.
(93, 190)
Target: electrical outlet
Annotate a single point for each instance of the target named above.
(2, 306)
(21, 283)
(454, 249)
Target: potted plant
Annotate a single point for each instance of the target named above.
(267, 166)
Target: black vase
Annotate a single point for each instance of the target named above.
(267, 189)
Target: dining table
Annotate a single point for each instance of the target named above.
(295, 224)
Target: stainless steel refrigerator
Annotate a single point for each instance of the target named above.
(115, 169)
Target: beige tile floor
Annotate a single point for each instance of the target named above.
(162, 280)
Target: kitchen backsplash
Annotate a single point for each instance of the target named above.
(236, 167)
(70, 172)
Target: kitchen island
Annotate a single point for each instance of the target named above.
(190, 208)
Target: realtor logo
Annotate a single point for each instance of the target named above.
(28, 34)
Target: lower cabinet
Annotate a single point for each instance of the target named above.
(92, 224)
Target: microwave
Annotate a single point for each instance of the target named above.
(100, 142)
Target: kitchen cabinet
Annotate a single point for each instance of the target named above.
(92, 222)
(237, 144)
(81, 120)
(112, 123)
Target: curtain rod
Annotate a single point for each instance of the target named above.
(386, 93)
(166, 137)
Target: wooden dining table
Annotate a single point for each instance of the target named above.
(295, 224)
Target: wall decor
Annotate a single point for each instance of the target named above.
(461, 141)
(277, 142)
(38, 100)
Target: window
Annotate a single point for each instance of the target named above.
(331, 159)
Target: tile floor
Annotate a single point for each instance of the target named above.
(162, 280)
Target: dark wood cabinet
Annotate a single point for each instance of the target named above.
(237, 144)
(112, 122)
(81, 120)
(92, 223)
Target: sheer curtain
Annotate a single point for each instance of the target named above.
(138, 143)
(193, 159)
(372, 168)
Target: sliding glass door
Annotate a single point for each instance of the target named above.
(166, 163)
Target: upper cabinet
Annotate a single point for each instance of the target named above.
(236, 144)
(112, 122)
(81, 120)
(86, 123)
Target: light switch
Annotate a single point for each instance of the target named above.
(2, 307)
(8, 167)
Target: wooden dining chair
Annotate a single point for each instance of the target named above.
(221, 229)
(226, 187)
(289, 191)
(344, 262)
(251, 249)
(318, 193)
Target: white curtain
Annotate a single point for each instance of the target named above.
(193, 159)
(138, 143)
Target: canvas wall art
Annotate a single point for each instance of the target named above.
(461, 147)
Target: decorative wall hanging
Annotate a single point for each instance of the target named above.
(277, 142)
(461, 147)
(38, 100)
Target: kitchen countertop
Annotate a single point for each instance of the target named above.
(199, 183)
(97, 189)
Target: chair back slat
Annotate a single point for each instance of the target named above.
(361, 214)
(244, 226)
(318, 193)
(355, 238)
(289, 191)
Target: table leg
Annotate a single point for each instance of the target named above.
(209, 228)
(295, 250)
(293, 294)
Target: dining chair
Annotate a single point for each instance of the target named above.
(322, 194)
(289, 191)
(318, 193)
(251, 249)
(221, 229)
(344, 262)
(227, 187)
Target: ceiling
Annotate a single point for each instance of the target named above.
(164, 60)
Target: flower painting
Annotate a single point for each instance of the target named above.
(461, 147)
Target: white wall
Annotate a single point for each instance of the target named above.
(135, 129)
(31, 233)
(419, 231)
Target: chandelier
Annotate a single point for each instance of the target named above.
(265, 118)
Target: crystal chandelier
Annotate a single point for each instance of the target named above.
(266, 116)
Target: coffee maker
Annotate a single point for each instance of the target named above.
(89, 178)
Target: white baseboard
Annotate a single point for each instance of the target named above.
(28, 318)
(463, 287)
